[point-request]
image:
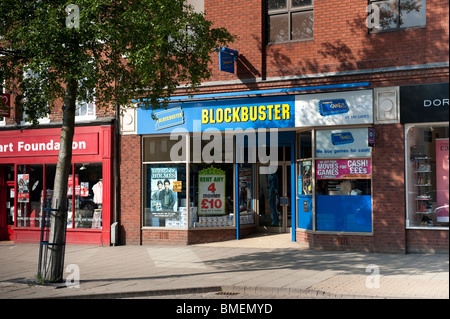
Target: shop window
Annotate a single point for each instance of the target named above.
(343, 172)
(165, 195)
(304, 180)
(164, 149)
(215, 147)
(211, 195)
(290, 20)
(84, 194)
(30, 196)
(10, 194)
(427, 175)
(246, 211)
(394, 15)
(304, 147)
(88, 195)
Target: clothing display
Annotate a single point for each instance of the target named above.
(98, 192)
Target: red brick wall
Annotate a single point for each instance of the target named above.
(164, 237)
(192, 236)
(341, 40)
(130, 190)
(388, 188)
(427, 241)
(197, 236)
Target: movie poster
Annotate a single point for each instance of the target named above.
(164, 200)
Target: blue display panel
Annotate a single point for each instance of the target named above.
(305, 216)
(346, 213)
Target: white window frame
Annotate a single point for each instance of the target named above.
(86, 117)
(289, 11)
(398, 27)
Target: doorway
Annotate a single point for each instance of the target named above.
(274, 200)
(7, 191)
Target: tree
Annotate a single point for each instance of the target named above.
(107, 51)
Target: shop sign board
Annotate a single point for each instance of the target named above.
(48, 145)
(343, 169)
(227, 57)
(342, 143)
(424, 103)
(228, 114)
(341, 108)
(226, 62)
(211, 191)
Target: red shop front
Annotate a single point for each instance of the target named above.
(27, 170)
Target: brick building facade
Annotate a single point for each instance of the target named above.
(327, 48)
(294, 57)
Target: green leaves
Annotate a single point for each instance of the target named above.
(122, 50)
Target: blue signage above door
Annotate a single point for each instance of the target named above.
(267, 112)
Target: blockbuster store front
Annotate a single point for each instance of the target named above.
(221, 169)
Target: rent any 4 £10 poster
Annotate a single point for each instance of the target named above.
(211, 195)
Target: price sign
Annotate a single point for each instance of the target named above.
(211, 195)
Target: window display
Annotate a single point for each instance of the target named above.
(246, 212)
(29, 195)
(88, 195)
(81, 194)
(211, 195)
(343, 172)
(165, 199)
(427, 173)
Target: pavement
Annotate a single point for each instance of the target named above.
(270, 266)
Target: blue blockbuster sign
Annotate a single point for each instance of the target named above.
(267, 112)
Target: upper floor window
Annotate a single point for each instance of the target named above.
(290, 20)
(198, 5)
(85, 105)
(391, 15)
(84, 110)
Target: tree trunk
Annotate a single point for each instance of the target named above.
(58, 218)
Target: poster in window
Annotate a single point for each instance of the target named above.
(343, 169)
(211, 191)
(84, 189)
(70, 185)
(442, 157)
(163, 199)
(245, 189)
(23, 194)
